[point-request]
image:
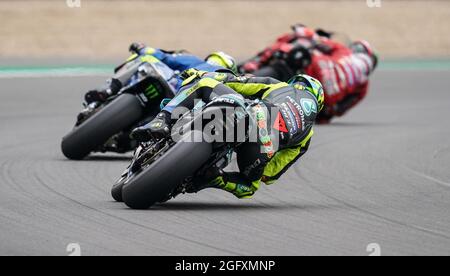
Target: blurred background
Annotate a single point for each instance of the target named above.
(102, 30)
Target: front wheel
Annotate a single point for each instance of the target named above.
(158, 180)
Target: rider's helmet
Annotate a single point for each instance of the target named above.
(362, 46)
(308, 83)
(222, 59)
(302, 31)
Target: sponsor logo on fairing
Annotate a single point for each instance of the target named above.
(299, 113)
(280, 124)
(220, 76)
(290, 119)
(309, 106)
(157, 124)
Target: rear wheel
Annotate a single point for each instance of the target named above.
(118, 115)
(158, 180)
(116, 191)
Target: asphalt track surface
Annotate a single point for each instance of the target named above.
(378, 175)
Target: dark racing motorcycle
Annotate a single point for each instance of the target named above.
(284, 64)
(162, 169)
(103, 127)
(287, 61)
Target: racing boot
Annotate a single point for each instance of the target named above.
(111, 88)
(96, 96)
(241, 191)
(158, 128)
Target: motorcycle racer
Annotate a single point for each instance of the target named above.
(168, 65)
(176, 61)
(343, 70)
(297, 104)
